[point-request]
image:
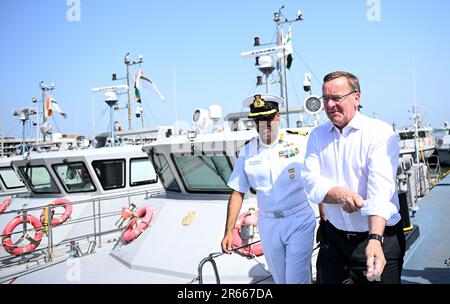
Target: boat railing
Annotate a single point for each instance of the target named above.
(68, 247)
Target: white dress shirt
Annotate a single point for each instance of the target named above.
(364, 159)
(273, 171)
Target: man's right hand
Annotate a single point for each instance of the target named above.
(350, 201)
(226, 243)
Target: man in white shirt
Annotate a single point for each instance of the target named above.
(350, 166)
(271, 164)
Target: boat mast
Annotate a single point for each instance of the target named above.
(281, 63)
(128, 62)
(44, 88)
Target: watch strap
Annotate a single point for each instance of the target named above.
(378, 237)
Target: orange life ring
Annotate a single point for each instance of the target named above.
(5, 204)
(139, 223)
(59, 219)
(247, 218)
(12, 248)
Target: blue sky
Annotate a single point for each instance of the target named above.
(202, 41)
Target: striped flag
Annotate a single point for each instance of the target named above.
(141, 80)
(51, 104)
(288, 43)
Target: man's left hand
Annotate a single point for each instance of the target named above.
(375, 260)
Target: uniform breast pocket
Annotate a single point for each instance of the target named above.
(258, 174)
(291, 171)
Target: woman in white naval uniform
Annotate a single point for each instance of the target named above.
(271, 164)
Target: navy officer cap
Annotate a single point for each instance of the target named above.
(262, 105)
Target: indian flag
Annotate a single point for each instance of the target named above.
(51, 104)
(289, 49)
(142, 80)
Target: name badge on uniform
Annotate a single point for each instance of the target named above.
(285, 145)
(254, 162)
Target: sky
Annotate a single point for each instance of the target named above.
(192, 51)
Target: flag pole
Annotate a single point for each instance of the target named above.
(129, 63)
(128, 93)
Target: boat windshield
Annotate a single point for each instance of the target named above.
(74, 177)
(165, 174)
(203, 173)
(39, 179)
(10, 178)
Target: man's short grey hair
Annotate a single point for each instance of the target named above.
(353, 81)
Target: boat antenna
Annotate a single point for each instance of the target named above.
(111, 100)
(24, 115)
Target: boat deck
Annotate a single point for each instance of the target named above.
(428, 260)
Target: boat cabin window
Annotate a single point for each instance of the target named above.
(422, 134)
(406, 135)
(74, 177)
(142, 172)
(10, 178)
(203, 173)
(39, 179)
(411, 134)
(111, 173)
(166, 175)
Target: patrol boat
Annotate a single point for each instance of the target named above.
(73, 201)
(74, 197)
(417, 140)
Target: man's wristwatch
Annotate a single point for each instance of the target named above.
(377, 237)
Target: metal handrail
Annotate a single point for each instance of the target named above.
(96, 218)
(209, 258)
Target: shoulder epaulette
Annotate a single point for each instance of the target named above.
(297, 132)
(245, 143)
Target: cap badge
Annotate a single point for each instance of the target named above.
(258, 102)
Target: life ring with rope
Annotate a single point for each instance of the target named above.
(13, 248)
(139, 222)
(245, 229)
(5, 204)
(60, 218)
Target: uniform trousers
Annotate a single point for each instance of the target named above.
(287, 244)
(342, 259)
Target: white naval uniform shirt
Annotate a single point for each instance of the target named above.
(273, 171)
(364, 159)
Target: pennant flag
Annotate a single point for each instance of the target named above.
(51, 104)
(141, 80)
